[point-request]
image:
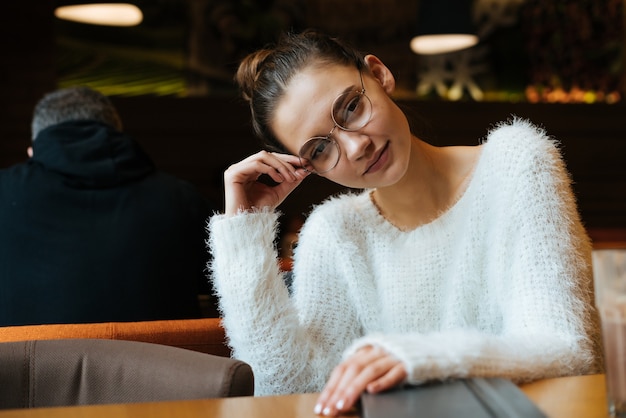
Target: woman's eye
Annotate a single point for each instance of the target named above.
(318, 149)
(351, 109)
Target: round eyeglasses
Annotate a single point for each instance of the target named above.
(350, 111)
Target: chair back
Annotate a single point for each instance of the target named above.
(45, 373)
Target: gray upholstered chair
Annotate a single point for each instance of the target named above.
(47, 373)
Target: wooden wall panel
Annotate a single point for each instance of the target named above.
(197, 139)
(26, 72)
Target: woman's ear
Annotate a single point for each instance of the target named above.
(381, 73)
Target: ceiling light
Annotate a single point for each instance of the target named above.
(444, 26)
(439, 44)
(107, 14)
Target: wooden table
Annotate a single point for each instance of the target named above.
(567, 397)
(579, 396)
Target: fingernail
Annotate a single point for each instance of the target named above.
(318, 408)
(340, 404)
(326, 411)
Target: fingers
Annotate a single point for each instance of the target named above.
(280, 167)
(392, 378)
(370, 369)
(243, 190)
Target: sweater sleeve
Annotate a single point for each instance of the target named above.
(543, 281)
(284, 339)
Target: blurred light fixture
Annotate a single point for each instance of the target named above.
(444, 26)
(106, 14)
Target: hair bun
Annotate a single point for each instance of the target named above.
(249, 71)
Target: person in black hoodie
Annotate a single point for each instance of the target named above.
(90, 231)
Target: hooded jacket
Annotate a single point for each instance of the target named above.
(90, 231)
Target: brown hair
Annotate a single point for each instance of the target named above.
(264, 75)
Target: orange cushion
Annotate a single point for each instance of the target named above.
(205, 335)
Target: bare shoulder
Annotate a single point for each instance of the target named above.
(464, 157)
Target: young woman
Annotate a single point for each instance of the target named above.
(452, 261)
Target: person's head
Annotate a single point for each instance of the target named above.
(264, 76)
(310, 84)
(74, 103)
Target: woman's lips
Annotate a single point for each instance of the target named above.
(378, 161)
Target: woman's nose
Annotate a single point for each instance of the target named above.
(355, 144)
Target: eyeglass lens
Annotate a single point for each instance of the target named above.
(351, 110)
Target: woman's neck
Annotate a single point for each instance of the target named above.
(435, 180)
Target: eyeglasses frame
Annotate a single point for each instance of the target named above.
(328, 137)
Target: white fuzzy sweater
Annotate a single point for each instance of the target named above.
(498, 285)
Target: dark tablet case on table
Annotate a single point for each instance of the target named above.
(466, 398)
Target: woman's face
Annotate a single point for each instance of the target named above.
(375, 155)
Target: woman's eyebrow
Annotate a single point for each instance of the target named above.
(338, 104)
(350, 88)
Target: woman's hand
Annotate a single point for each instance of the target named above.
(369, 369)
(243, 191)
